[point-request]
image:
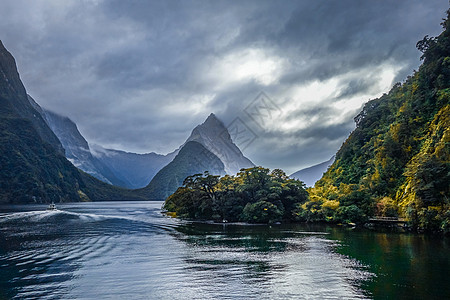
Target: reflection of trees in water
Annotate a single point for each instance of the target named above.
(262, 239)
(216, 248)
(417, 262)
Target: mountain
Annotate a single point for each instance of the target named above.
(76, 148)
(311, 174)
(397, 160)
(134, 170)
(137, 170)
(33, 165)
(193, 158)
(119, 168)
(15, 97)
(214, 136)
(208, 148)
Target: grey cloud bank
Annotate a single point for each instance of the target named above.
(140, 75)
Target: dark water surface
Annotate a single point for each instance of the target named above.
(128, 250)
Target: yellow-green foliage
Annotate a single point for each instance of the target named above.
(386, 207)
(83, 196)
(397, 160)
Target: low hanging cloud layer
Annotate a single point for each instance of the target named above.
(140, 75)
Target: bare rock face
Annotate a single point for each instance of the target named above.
(214, 136)
(33, 166)
(119, 168)
(208, 148)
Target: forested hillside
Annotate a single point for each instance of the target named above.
(32, 163)
(397, 161)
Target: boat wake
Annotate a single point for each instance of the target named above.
(51, 215)
(111, 223)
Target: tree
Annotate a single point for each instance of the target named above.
(255, 195)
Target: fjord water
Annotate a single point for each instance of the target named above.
(129, 250)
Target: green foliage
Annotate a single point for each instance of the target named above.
(397, 160)
(254, 195)
(33, 167)
(261, 212)
(193, 158)
(350, 213)
(31, 170)
(309, 212)
(386, 207)
(96, 190)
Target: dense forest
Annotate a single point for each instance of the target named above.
(32, 162)
(397, 161)
(254, 195)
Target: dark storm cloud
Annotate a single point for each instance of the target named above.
(338, 36)
(355, 87)
(139, 75)
(321, 112)
(328, 132)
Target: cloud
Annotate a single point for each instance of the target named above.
(140, 75)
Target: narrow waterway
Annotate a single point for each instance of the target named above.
(129, 250)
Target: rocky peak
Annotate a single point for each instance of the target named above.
(213, 120)
(214, 136)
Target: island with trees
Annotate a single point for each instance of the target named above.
(254, 195)
(395, 164)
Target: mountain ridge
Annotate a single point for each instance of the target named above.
(312, 174)
(136, 171)
(210, 148)
(397, 160)
(193, 158)
(213, 134)
(13, 88)
(33, 165)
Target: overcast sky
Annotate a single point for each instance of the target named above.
(140, 75)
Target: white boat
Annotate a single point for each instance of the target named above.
(51, 206)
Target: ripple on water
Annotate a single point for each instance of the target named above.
(134, 252)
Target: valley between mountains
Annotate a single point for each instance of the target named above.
(396, 163)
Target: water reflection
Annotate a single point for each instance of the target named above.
(280, 262)
(408, 266)
(130, 250)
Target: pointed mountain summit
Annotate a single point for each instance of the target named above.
(208, 148)
(214, 136)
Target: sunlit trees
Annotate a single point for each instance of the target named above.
(397, 160)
